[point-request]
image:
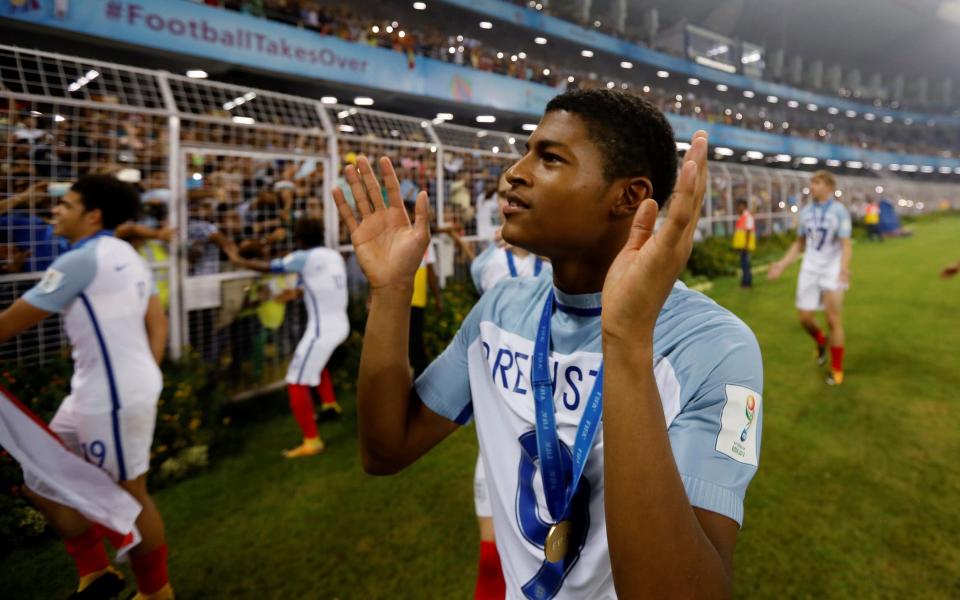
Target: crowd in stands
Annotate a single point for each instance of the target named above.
(242, 203)
(234, 202)
(345, 22)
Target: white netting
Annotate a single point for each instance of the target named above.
(29, 72)
(229, 103)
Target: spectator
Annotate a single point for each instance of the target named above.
(745, 242)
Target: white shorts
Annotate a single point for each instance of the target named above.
(117, 442)
(812, 283)
(313, 353)
(481, 497)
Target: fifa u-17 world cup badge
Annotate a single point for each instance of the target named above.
(738, 424)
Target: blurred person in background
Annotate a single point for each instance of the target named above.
(871, 218)
(32, 244)
(205, 240)
(323, 275)
(424, 279)
(745, 242)
(266, 218)
(488, 210)
(408, 187)
(823, 236)
(151, 237)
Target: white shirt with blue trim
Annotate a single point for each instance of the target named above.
(710, 377)
(492, 266)
(323, 277)
(823, 225)
(102, 286)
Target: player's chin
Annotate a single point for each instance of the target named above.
(514, 232)
(521, 233)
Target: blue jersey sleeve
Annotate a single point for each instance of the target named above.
(479, 264)
(444, 386)
(716, 436)
(844, 224)
(291, 263)
(64, 280)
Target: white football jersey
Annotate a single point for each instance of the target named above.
(495, 264)
(823, 225)
(102, 286)
(708, 370)
(323, 278)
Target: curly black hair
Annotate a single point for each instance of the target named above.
(309, 232)
(633, 135)
(117, 200)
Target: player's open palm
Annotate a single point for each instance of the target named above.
(388, 248)
(642, 275)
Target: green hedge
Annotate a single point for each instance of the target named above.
(714, 257)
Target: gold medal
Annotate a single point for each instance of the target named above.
(558, 541)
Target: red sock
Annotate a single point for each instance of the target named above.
(88, 552)
(818, 335)
(836, 356)
(117, 540)
(150, 569)
(302, 406)
(325, 388)
(490, 584)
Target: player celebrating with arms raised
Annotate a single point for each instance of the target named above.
(823, 236)
(647, 503)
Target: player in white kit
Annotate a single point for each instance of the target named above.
(112, 314)
(323, 279)
(618, 442)
(823, 236)
(498, 262)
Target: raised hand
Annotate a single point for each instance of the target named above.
(388, 248)
(642, 275)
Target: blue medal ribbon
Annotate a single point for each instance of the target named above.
(557, 486)
(822, 217)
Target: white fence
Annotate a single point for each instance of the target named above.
(222, 163)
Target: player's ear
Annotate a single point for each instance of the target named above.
(633, 191)
(94, 216)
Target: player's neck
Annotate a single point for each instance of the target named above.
(519, 252)
(580, 275)
(83, 234)
(821, 200)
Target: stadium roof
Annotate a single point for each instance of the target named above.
(912, 37)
